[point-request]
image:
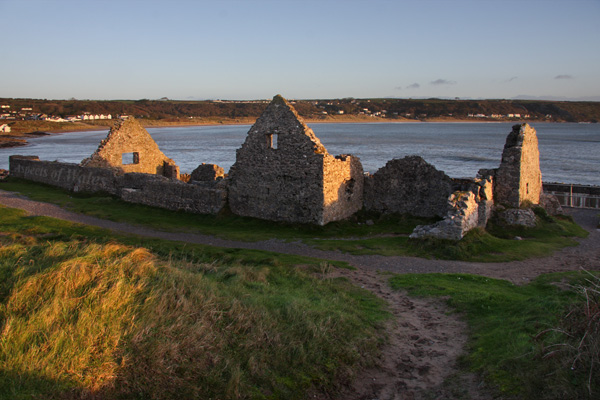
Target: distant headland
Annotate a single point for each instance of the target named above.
(22, 117)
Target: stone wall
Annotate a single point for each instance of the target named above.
(152, 190)
(462, 216)
(517, 216)
(72, 177)
(342, 187)
(485, 198)
(519, 179)
(175, 195)
(409, 185)
(283, 173)
(207, 172)
(130, 148)
(469, 207)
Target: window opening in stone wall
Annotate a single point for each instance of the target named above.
(272, 141)
(349, 188)
(130, 158)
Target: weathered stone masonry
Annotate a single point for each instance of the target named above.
(283, 173)
(130, 148)
(517, 181)
(519, 178)
(151, 179)
(409, 186)
(152, 190)
(72, 177)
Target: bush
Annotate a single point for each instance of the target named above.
(573, 356)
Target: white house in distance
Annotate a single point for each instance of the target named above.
(91, 117)
(4, 128)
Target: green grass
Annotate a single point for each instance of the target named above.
(84, 313)
(226, 225)
(15, 221)
(387, 235)
(496, 245)
(504, 320)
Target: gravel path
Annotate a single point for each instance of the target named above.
(586, 255)
(425, 340)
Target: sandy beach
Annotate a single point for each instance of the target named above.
(22, 130)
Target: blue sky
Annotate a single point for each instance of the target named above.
(129, 49)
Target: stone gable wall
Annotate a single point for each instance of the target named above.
(519, 179)
(129, 137)
(283, 172)
(274, 186)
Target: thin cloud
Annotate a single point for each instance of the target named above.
(413, 86)
(439, 82)
(563, 77)
(514, 78)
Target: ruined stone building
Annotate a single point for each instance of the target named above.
(128, 164)
(413, 186)
(517, 181)
(130, 148)
(282, 172)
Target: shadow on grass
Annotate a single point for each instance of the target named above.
(362, 234)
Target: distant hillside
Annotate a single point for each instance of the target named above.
(394, 109)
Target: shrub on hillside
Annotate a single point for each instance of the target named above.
(573, 359)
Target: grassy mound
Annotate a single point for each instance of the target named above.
(93, 318)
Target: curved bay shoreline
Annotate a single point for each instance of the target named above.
(20, 134)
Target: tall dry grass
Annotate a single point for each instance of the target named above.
(572, 358)
(87, 320)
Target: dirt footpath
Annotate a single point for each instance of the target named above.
(424, 344)
(425, 340)
(586, 255)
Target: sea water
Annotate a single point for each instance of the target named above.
(569, 153)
